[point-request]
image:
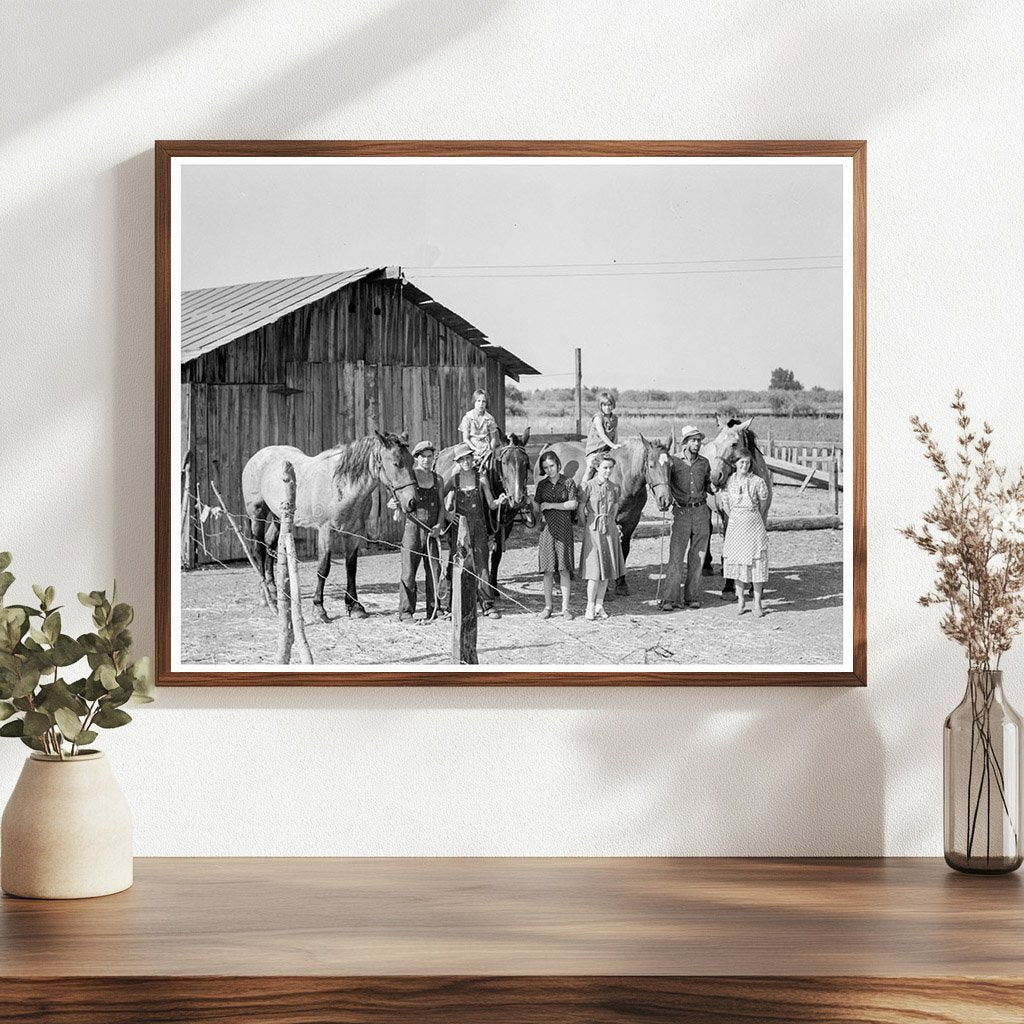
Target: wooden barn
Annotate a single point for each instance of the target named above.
(312, 362)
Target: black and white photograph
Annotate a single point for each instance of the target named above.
(520, 414)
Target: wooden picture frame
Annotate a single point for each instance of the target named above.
(198, 334)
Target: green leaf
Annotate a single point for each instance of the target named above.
(5, 560)
(36, 723)
(6, 579)
(6, 710)
(67, 651)
(122, 616)
(31, 741)
(15, 728)
(107, 676)
(95, 645)
(40, 593)
(86, 736)
(59, 695)
(89, 600)
(69, 724)
(94, 689)
(38, 635)
(51, 626)
(27, 681)
(50, 595)
(10, 663)
(111, 718)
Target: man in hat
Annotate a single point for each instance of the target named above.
(690, 484)
(421, 540)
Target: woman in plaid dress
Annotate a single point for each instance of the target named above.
(745, 551)
(556, 500)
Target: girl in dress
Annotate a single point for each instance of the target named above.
(601, 558)
(745, 550)
(603, 435)
(555, 500)
(479, 428)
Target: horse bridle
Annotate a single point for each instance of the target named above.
(518, 511)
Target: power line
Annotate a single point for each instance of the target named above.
(618, 263)
(636, 273)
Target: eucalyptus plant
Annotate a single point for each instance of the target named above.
(45, 711)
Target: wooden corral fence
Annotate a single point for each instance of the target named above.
(813, 456)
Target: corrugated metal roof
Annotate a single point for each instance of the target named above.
(211, 317)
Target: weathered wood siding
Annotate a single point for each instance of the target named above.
(362, 359)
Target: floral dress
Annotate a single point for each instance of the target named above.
(601, 557)
(745, 550)
(555, 546)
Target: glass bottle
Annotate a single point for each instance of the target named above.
(981, 775)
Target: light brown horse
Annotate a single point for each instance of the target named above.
(333, 493)
(733, 436)
(639, 464)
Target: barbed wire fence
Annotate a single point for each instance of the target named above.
(207, 524)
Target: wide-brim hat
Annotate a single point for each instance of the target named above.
(461, 451)
(691, 431)
(424, 446)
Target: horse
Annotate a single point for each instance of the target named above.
(333, 492)
(508, 471)
(721, 453)
(639, 464)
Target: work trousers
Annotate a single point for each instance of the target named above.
(417, 547)
(691, 535)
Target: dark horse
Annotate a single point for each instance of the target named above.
(639, 464)
(333, 494)
(721, 453)
(508, 472)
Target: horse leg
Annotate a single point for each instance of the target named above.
(728, 586)
(271, 535)
(258, 529)
(352, 606)
(496, 553)
(323, 570)
(628, 522)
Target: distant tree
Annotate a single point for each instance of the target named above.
(783, 380)
(779, 403)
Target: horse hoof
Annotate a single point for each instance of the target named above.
(320, 613)
(622, 590)
(357, 611)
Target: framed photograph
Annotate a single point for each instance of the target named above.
(510, 413)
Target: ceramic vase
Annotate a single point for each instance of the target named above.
(66, 831)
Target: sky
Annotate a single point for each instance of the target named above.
(677, 276)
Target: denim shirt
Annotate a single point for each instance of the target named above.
(690, 481)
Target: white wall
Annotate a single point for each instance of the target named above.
(935, 87)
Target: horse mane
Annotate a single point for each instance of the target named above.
(354, 456)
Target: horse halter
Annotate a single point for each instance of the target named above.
(379, 466)
(519, 511)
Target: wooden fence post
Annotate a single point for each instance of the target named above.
(293, 628)
(284, 615)
(833, 483)
(464, 590)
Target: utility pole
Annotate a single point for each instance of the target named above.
(579, 392)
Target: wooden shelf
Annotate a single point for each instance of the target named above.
(522, 939)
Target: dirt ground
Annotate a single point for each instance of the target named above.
(223, 621)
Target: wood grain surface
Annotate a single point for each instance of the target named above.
(595, 940)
